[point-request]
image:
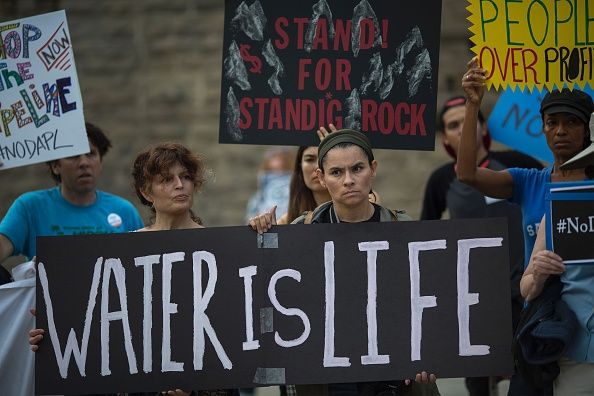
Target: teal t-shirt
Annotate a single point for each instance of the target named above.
(529, 192)
(47, 213)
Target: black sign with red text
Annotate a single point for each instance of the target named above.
(291, 67)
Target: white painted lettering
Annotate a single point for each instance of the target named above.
(247, 273)
(72, 348)
(465, 298)
(113, 265)
(169, 308)
(417, 302)
(201, 321)
(288, 273)
(372, 356)
(329, 359)
(146, 263)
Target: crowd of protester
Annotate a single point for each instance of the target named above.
(478, 182)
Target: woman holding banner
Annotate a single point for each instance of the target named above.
(165, 178)
(346, 168)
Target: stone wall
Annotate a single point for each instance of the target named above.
(150, 71)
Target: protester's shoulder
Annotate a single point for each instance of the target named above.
(109, 197)
(37, 196)
(115, 200)
(515, 159)
(528, 173)
(387, 214)
(314, 215)
(442, 175)
(284, 219)
(444, 170)
(401, 215)
(122, 207)
(300, 219)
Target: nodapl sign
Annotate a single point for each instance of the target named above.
(41, 111)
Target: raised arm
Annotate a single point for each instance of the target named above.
(543, 263)
(496, 184)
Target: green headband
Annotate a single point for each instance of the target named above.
(344, 136)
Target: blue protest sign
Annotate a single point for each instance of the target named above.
(515, 121)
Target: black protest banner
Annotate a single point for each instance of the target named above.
(291, 67)
(570, 221)
(221, 308)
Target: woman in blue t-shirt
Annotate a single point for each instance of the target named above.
(565, 116)
(576, 376)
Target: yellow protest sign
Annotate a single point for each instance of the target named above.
(534, 43)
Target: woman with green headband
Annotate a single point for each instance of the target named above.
(346, 167)
(306, 192)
